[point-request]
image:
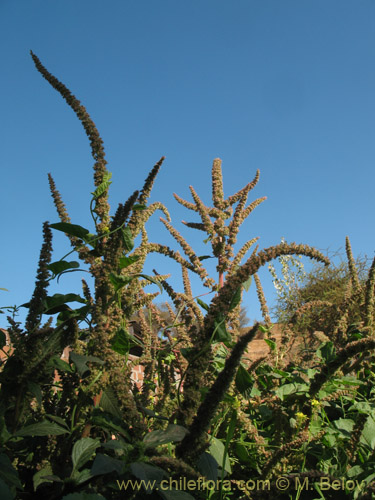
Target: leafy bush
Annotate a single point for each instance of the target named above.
(205, 423)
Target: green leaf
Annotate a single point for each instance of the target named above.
(8, 473)
(123, 341)
(326, 351)
(175, 494)
(39, 477)
(236, 299)
(127, 239)
(217, 450)
(5, 493)
(71, 229)
(83, 450)
(60, 364)
(137, 206)
(345, 425)
(103, 186)
(43, 428)
(204, 257)
(36, 391)
(207, 466)
(4, 289)
(287, 389)
(270, 343)
(58, 299)
(368, 433)
(152, 280)
(173, 433)
(62, 265)
(119, 281)
(246, 284)
(103, 464)
(244, 381)
(150, 474)
(221, 333)
(108, 421)
(80, 361)
(109, 403)
(120, 342)
(58, 420)
(203, 304)
(128, 261)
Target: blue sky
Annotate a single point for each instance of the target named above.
(283, 86)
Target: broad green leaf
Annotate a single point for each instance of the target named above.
(71, 229)
(36, 391)
(58, 420)
(368, 433)
(271, 344)
(173, 433)
(80, 361)
(287, 389)
(104, 464)
(82, 476)
(109, 403)
(361, 407)
(5, 493)
(59, 299)
(120, 342)
(236, 299)
(150, 474)
(108, 421)
(354, 471)
(344, 425)
(203, 304)
(123, 341)
(187, 352)
(60, 364)
(128, 261)
(62, 265)
(103, 186)
(8, 473)
(246, 284)
(221, 333)
(326, 351)
(43, 428)
(78, 314)
(244, 381)
(217, 450)
(119, 281)
(207, 466)
(127, 238)
(83, 450)
(40, 476)
(175, 494)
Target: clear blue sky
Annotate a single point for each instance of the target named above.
(284, 86)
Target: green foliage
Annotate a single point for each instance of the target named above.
(81, 429)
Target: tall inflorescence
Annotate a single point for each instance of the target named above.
(221, 222)
(112, 259)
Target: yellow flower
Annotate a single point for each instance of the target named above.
(315, 402)
(301, 416)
